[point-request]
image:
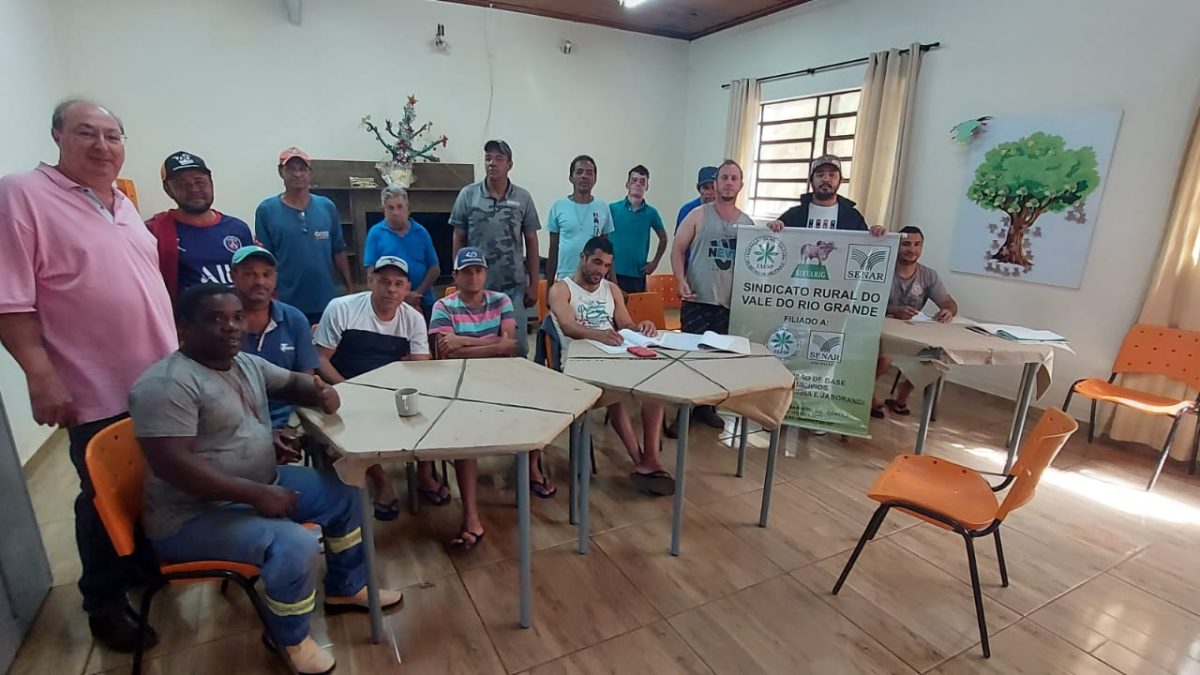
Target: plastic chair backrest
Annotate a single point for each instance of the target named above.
(117, 468)
(542, 303)
(647, 307)
(664, 285)
(126, 186)
(449, 290)
(1158, 350)
(1037, 453)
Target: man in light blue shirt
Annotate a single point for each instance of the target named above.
(633, 219)
(575, 219)
(400, 236)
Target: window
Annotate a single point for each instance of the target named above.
(792, 133)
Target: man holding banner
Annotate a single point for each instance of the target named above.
(707, 238)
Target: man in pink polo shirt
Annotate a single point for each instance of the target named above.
(84, 311)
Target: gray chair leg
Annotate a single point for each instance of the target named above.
(1162, 458)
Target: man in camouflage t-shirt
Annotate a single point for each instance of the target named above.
(500, 219)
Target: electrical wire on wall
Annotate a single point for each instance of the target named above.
(491, 62)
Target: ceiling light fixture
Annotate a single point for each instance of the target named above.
(630, 4)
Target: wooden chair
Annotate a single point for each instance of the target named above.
(956, 498)
(117, 468)
(647, 307)
(1152, 350)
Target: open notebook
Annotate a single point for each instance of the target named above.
(1018, 333)
(682, 341)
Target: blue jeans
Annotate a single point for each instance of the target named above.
(521, 314)
(285, 552)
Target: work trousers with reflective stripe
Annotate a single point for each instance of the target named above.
(286, 552)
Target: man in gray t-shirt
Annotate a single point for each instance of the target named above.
(500, 219)
(913, 286)
(214, 491)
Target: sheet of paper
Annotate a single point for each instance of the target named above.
(921, 317)
(1021, 333)
(688, 342)
(726, 343)
(636, 339)
(619, 349)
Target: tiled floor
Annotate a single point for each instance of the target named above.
(1103, 574)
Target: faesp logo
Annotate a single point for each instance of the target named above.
(867, 263)
(825, 347)
(766, 255)
(784, 342)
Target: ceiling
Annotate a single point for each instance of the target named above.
(681, 19)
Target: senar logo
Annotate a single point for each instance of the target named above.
(825, 347)
(867, 263)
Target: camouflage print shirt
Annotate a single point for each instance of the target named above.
(498, 227)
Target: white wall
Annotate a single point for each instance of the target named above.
(232, 81)
(1018, 57)
(32, 83)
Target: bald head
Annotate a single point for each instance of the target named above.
(58, 118)
(91, 143)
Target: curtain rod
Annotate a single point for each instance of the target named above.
(830, 66)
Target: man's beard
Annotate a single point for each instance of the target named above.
(196, 210)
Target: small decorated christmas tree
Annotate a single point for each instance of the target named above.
(406, 145)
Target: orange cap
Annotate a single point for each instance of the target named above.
(294, 152)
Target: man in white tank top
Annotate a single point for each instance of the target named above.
(588, 307)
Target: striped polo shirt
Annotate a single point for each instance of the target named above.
(452, 316)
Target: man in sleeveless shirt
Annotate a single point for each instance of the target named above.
(707, 238)
(586, 306)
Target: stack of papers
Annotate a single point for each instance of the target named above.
(922, 317)
(1017, 333)
(689, 342)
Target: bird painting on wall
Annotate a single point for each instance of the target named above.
(965, 132)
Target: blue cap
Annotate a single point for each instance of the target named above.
(707, 174)
(467, 256)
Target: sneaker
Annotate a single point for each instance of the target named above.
(309, 659)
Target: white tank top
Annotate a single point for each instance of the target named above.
(592, 309)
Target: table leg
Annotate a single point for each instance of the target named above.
(410, 477)
(573, 455)
(1028, 380)
(368, 534)
(685, 418)
(769, 481)
(523, 533)
(926, 414)
(585, 484)
(741, 470)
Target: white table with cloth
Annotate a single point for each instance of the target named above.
(756, 386)
(924, 352)
(469, 408)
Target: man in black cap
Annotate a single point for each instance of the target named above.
(822, 208)
(195, 242)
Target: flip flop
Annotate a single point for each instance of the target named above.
(877, 412)
(388, 511)
(897, 408)
(657, 484)
(462, 543)
(435, 497)
(542, 488)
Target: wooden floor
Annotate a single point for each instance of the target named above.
(1104, 576)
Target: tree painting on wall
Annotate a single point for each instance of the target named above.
(1034, 180)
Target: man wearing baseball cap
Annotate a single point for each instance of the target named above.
(368, 330)
(822, 208)
(275, 331)
(706, 185)
(304, 231)
(475, 323)
(501, 220)
(195, 241)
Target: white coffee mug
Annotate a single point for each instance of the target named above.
(407, 402)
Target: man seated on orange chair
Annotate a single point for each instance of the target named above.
(588, 307)
(913, 286)
(215, 491)
(475, 323)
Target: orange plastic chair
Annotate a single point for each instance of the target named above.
(543, 305)
(664, 285)
(126, 186)
(117, 469)
(647, 307)
(956, 498)
(449, 290)
(1153, 350)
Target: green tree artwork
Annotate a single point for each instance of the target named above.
(1028, 177)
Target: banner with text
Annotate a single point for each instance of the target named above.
(817, 298)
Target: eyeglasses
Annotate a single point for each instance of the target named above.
(89, 135)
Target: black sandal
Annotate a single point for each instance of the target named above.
(388, 511)
(877, 412)
(657, 484)
(435, 497)
(542, 489)
(897, 408)
(462, 543)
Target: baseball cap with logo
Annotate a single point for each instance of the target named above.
(501, 147)
(707, 174)
(468, 256)
(390, 261)
(294, 152)
(246, 252)
(826, 160)
(178, 162)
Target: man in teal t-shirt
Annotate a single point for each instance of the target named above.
(632, 221)
(574, 220)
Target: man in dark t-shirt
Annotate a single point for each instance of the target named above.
(195, 242)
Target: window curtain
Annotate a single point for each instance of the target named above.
(1173, 300)
(885, 114)
(741, 129)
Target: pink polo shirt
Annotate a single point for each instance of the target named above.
(92, 277)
